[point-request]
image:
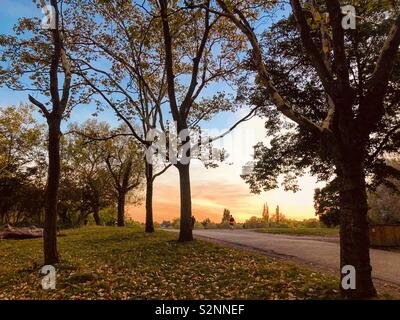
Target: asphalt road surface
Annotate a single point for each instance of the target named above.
(321, 252)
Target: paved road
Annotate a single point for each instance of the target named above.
(311, 250)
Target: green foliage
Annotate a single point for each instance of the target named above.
(96, 171)
(384, 201)
(108, 216)
(21, 140)
(327, 204)
(293, 151)
(211, 225)
(126, 263)
(22, 166)
(311, 223)
(256, 222)
(198, 225)
(176, 222)
(226, 216)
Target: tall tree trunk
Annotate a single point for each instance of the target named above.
(53, 181)
(64, 216)
(96, 216)
(18, 217)
(82, 217)
(121, 208)
(149, 198)
(185, 233)
(354, 230)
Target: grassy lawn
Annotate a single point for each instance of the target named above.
(126, 263)
(301, 231)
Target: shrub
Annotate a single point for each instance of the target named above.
(255, 222)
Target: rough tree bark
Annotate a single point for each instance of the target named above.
(180, 113)
(82, 216)
(354, 230)
(185, 232)
(53, 118)
(121, 208)
(53, 181)
(348, 131)
(96, 216)
(149, 198)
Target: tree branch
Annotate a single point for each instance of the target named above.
(245, 118)
(67, 79)
(379, 149)
(308, 44)
(40, 105)
(161, 172)
(340, 61)
(187, 102)
(372, 108)
(119, 114)
(169, 62)
(282, 105)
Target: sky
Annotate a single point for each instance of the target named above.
(219, 188)
(212, 189)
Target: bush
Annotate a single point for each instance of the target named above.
(279, 225)
(211, 225)
(198, 225)
(223, 225)
(156, 225)
(108, 216)
(255, 222)
(133, 224)
(311, 223)
(176, 223)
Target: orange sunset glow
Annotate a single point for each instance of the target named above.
(219, 188)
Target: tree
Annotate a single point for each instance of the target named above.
(384, 200)
(206, 222)
(327, 204)
(129, 36)
(354, 107)
(384, 206)
(294, 151)
(125, 164)
(85, 176)
(131, 81)
(41, 58)
(99, 164)
(226, 216)
(255, 222)
(22, 164)
(194, 47)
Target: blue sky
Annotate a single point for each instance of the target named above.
(11, 11)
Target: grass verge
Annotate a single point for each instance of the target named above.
(301, 231)
(126, 263)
